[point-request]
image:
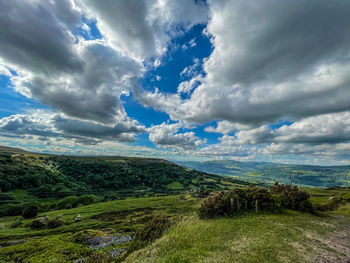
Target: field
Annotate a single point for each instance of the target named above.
(268, 173)
(287, 237)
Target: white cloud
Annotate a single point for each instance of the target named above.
(167, 135)
(226, 127)
(266, 67)
(141, 28)
(45, 125)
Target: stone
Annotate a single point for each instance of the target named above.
(77, 218)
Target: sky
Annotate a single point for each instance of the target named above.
(259, 80)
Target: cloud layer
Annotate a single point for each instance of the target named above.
(277, 82)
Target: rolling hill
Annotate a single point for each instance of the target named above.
(26, 176)
(315, 176)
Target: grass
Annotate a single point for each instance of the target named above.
(251, 238)
(55, 245)
(176, 186)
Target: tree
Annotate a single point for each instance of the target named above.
(30, 211)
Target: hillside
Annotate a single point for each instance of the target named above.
(264, 237)
(30, 177)
(316, 176)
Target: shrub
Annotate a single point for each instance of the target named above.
(153, 229)
(11, 210)
(238, 201)
(68, 202)
(88, 199)
(54, 223)
(6, 197)
(30, 211)
(40, 222)
(291, 197)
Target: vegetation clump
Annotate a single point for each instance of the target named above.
(40, 222)
(291, 197)
(30, 211)
(238, 201)
(54, 223)
(241, 200)
(153, 229)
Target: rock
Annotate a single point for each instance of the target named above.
(39, 222)
(98, 239)
(116, 252)
(79, 260)
(102, 242)
(77, 218)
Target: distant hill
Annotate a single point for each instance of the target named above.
(316, 176)
(57, 176)
(11, 149)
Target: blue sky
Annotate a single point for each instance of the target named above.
(188, 80)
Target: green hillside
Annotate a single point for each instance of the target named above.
(42, 179)
(290, 236)
(316, 176)
(121, 209)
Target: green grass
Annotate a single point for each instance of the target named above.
(251, 238)
(55, 245)
(176, 186)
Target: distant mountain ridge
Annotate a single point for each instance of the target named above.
(264, 172)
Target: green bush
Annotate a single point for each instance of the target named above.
(30, 211)
(241, 200)
(68, 202)
(238, 201)
(88, 199)
(40, 222)
(291, 197)
(54, 223)
(11, 210)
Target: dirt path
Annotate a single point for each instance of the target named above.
(335, 247)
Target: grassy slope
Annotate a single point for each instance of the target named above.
(287, 237)
(55, 245)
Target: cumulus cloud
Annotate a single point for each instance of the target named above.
(141, 28)
(82, 78)
(44, 125)
(167, 135)
(226, 127)
(330, 128)
(326, 128)
(271, 60)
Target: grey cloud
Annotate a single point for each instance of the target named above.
(20, 125)
(83, 79)
(272, 60)
(34, 35)
(46, 125)
(93, 94)
(142, 27)
(122, 131)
